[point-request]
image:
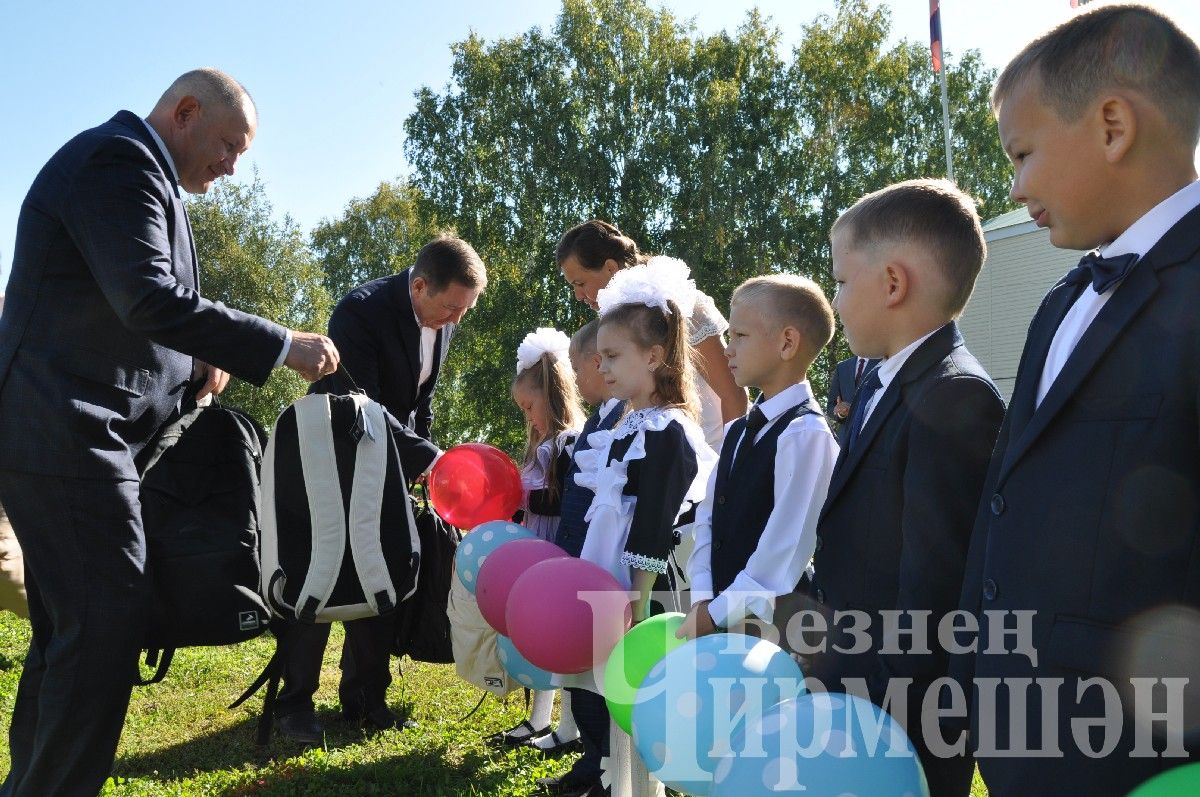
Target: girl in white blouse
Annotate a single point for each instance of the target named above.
(544, 389)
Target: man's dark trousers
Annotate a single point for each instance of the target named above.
(85, 558)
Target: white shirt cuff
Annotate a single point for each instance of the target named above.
(283, 353)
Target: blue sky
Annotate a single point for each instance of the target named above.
(334, 80)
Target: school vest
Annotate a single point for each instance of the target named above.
(743, 502)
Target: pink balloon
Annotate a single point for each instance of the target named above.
(500, 570)
(566, 615)
(473, 483)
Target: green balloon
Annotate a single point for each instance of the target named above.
(1178, 782)
(632, 660)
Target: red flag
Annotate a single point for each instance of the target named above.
(935, 34)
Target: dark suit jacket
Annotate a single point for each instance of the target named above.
(1091, 514)
(894, 529)
(103, 314)
(379, 340)
(841, 385)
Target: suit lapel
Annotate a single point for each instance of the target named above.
(191, 243)
(137, 127)
(1131, 296)
(410, 330)
(1041, 335)
(932, 351)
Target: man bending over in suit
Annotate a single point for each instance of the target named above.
(393, 334)
(103, 329)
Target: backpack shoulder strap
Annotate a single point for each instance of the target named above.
(318, 462)
(366, 506)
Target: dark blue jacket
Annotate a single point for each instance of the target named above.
(103, 315)
(1091, 519)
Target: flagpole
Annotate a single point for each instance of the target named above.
(946, 125)
(939, 66)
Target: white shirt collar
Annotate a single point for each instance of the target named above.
(162, 146)
(607, 407)
(890, 366)
(1144, 233)
(786, 399)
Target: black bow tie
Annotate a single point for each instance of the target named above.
(1102, 272)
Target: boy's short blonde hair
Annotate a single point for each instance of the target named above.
(791, 301)
(933, 214)
(583, 342)
(1112, 47)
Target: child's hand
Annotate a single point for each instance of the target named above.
(698, 622)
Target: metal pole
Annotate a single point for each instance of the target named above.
(946, 123)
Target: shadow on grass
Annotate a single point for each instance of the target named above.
(431, 768)
(417, 773)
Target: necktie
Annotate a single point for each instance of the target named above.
(1102, 272)
(870, 384)
(755, 421)
(858, 371)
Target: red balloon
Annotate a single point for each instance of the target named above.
(566, 615)
(501, 568)
(473, 483)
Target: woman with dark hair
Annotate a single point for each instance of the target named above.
(589, 254)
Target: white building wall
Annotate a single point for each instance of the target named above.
(1021, 267)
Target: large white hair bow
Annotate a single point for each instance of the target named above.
(541, 341)
(659, 280)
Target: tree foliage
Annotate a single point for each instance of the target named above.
(252, 262)
(720, 149)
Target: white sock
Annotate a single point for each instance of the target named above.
(543, 705)
(566, 720)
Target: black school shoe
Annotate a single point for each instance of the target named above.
(502, 739)
(559, 747)
(571, 785)
(302, 726)
(380, 718)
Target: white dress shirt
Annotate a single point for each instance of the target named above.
(1139, 239)
(428, 338)
(162, 147)
(804, 459)
(887, 370)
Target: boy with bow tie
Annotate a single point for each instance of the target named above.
(1090, 519)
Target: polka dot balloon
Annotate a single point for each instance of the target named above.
(821, 745)
(480, 543)
(698, 696)
(516, 665)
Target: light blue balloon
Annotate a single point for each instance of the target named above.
(483, 539)
(696, 695)
(519, 667)
(821, 745)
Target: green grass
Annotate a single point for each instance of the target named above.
(180, 740)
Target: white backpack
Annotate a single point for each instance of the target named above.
(338, 538)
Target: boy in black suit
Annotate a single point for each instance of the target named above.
(893, 534)
(1091, 508)
(756, 528)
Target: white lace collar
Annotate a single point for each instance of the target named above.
(638, 419)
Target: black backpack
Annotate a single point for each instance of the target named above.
(422, 625)
(338, 536)
(200, 509)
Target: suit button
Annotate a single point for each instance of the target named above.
(989, 590)
(820, 542)
(820, 595)
(721, 500)
(997, 505)
(717, 545)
